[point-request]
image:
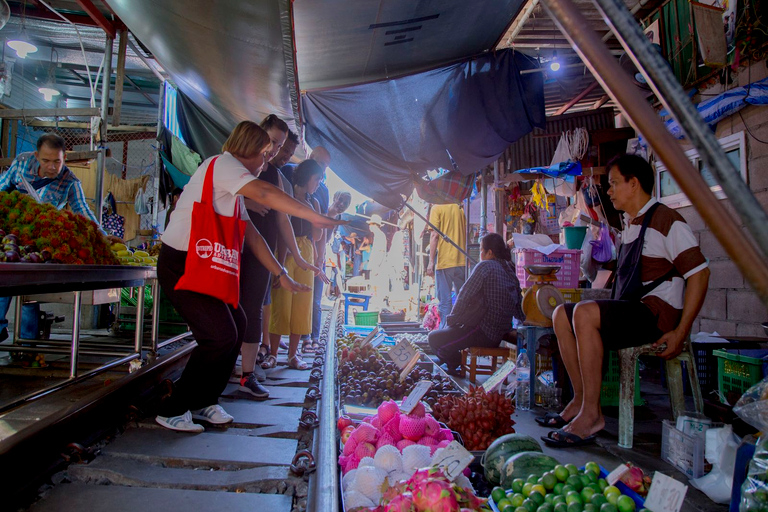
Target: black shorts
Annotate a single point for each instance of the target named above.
(623, 323)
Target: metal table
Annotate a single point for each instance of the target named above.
(18, 279)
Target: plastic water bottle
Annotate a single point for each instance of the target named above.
(522, 395)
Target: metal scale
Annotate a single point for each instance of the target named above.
(541, 299)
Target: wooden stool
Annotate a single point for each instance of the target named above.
(475, 369)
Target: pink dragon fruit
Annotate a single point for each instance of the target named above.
(412, 427)
(427, 441)
(376, 422)
(403, 443)
(433, 492)
(388, 410)
(400, 503)
(444, 434)
(365, 432)
(384, 440)
(432, 427)
(349, 446)
(365, 450)
(392, 427)
(419, 411)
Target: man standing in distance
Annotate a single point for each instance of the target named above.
(446, 262)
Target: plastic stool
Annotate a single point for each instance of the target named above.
(627, 359)
(475, 369)
(347, 303)
(528, 337)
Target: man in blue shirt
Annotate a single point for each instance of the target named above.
(43, 174)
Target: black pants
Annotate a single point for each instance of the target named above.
(449, 342)
(254, 281)
(218, 329)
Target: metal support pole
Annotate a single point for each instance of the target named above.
(155, 316)
(612, 78)
(498, 200)
(17, 320)
(101, 159)
(160, 116)
(669, 91)
(139, 334)
(443, 235)
(75, 334)
(484, 204)
(467, 211)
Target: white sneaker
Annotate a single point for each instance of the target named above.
(213, 414)
(181, 423)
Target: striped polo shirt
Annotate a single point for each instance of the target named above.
(669, 245)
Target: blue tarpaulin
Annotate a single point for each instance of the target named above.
(382, 135)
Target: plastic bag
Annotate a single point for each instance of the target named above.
(602, 248)
(140, 205)
(720, 451)
(431, 318)
(752, 407)
(588, 266)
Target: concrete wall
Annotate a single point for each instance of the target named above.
(731, 307)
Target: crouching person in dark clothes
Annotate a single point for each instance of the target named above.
(485, 306)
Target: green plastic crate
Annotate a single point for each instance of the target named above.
(610, 390)
(737, 373)
(366, 318)
(171, 322)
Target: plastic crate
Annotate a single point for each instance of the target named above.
(611, 387)
(706, 365)
(366, 317)
(684, 452)
(571, 294)
(567, 259)
(739, 370)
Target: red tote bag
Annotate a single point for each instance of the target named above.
(215, 244)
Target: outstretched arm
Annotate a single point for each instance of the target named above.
(260, 248)
(272, 197)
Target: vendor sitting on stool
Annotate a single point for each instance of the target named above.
(485, 306)
(660, 285)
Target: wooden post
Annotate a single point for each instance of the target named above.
(119, 78)
(14, 135)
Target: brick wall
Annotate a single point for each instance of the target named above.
(731, 307)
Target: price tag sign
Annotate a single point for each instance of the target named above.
(495, 380)
(370, 337)
(615, 475)
(453, 459)
(410, 366)
(378, 340)
(403, 353)
(416, 394)
(666, 494)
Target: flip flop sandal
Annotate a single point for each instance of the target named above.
(551, 420)
(269, 362)
(297, 363)
(307, 348)
(566, 439)
(263, 353)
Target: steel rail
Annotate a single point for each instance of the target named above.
(645, 120)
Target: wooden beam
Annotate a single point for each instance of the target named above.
(48, 112)
(97, 17)
(72, 156)
(120, 78)
(564, 108)
(599, 103)
(14, 135)
(84, 126)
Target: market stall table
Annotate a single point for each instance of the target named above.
(33, 279)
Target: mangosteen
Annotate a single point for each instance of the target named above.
(46, 255)
(10, 239)
(2, 233)
(29, 249)
(12, 256)
(35, 257)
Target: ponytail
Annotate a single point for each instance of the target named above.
(495, 243)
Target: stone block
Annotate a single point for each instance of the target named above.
(745, 306)
(724, 328)
(711, 246)
(750, 329)
(714, 305)
(725, 274)
(693, 218)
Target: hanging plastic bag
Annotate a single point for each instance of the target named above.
(752, 407)
(588, 266)
(140, 204)
(602, 247)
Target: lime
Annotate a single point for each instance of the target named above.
(612, 498)
(532, 478)
(539, 489)
(516, 499)
(521, 509)
(586, 494)
(559, 499)
(530, 505)
(503, 503)
(549, 480)
(561, 472)
(561, 507)
(590, 508)
(608, 507)
(545, 507)
(508, 508)
(573, 497)
(575, 507)
(572, 469)
(575, 482)
(626, 504)
(598, 500)
(558, 489)
(527, 488)
(596, 488)
(517, 484)
(537, 498)
(498, 494)
(611, 489)
(603, 483)
(593, 467)
(549, 498)
(566, 489)
(591, 477)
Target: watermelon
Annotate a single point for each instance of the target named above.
(502, 449)
(523, 464)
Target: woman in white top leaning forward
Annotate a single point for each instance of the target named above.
(219, 327)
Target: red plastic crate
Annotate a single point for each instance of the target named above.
(567, 259)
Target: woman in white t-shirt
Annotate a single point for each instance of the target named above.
(218, 327)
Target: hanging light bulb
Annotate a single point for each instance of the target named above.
(22, 48)
(48, 93)
(554, 64)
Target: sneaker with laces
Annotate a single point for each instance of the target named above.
(181, 423)
(251, 386)
(214, 414)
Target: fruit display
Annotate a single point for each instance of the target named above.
(478, 416)
(503, 448)
(563, 488)
(132, 257)
(46, 234)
